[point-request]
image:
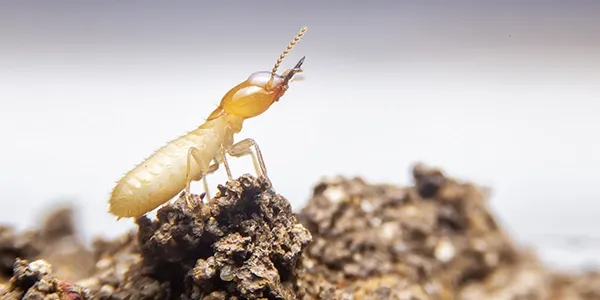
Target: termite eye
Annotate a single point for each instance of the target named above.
(262, 78)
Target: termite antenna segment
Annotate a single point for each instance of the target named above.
(285, 52)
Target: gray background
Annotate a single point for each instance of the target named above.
(504, 94)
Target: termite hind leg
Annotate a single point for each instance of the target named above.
(193, 155)
(227, 168)
(213, 168)
(244, 147)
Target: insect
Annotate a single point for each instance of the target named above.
(198, 153)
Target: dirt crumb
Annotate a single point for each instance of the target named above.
(34, 280)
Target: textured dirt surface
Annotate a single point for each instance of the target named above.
(32, 281)
(434, 239)
(428, 240)
(245, 243)
(56, 241)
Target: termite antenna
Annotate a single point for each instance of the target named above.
(285, 52)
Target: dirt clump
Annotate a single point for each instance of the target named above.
(33, 281)
(435, 239)
(243, 244)
(56, 241)
(426, 241)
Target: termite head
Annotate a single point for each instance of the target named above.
(256, 94)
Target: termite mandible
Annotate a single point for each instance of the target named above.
(198, 153)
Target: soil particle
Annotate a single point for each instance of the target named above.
(34, 281)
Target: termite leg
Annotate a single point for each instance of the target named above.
(194, 154)
(213, 168)
(227, 168)
(223, 158)
(243, 147)
(248, 151)
(254, 160)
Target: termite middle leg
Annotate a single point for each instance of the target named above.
(195, 155)
(211, 169)
(243, 148)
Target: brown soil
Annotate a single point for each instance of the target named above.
(436, 239)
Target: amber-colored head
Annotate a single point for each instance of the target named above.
(257, 93)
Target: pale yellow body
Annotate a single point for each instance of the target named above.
(163, 175)
(191, 157)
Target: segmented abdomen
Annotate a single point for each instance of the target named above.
(163, 175)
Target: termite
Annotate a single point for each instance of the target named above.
(172, 168)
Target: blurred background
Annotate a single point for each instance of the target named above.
(504, 94)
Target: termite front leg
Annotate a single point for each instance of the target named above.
(248, 151)
(223, 159)
(257, 168)
(195, 155)
(244, 147)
